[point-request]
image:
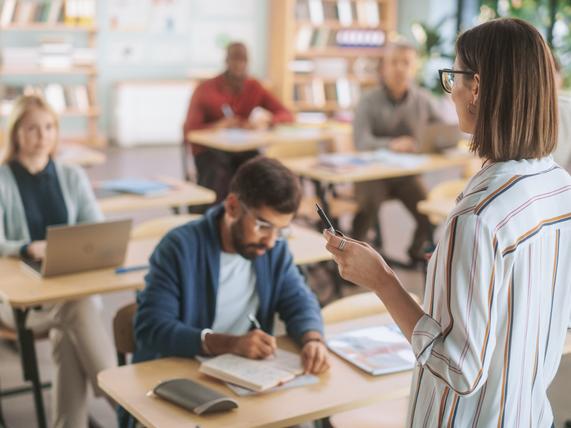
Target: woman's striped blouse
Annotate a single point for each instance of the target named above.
(497, 301)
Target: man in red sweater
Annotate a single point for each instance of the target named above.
(226, 101)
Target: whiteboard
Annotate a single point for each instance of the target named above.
(150, 112)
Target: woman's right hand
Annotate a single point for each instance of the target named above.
(37, 250)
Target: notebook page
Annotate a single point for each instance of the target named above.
(243, 371)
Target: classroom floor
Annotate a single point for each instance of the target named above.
(155, 161)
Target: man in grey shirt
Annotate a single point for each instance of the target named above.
(394, 116)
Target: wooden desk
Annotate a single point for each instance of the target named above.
(182, 194)
(23, 291)
(344, 387)
(307, 246)
(436, 210)
(309, 167)
(240, 140)
(78, 154)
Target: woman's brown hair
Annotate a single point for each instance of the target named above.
(21, 107)
(516, 113)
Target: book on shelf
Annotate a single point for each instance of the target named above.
(50, 54)
(345, 12)
(79, 12)
(7, 12)
(320, 38)
(14, 12)
(343, 91)
(255, 375)
(60, 97)
(54, 95)
(376, 350)
(368, 13)
(316, 13)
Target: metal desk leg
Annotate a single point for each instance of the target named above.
(30, 362)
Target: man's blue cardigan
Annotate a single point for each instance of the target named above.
(179, 299)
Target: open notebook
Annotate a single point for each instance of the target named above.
(256, 375)
(376, 350)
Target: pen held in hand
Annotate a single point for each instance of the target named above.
(255, 323)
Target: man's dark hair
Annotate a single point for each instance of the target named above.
(267, 182)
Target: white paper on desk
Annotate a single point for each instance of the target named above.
(240, 135)
(302, 380)
(283, 360)
(403, 160)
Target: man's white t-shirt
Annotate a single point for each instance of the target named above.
(237, 296)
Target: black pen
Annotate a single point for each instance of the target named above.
(255, 323)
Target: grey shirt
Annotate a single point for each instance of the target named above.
(379, 118)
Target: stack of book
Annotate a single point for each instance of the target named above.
(25, 12)
(50, 54)
(13, 12)
(61, 98)
(321, 38)
(342, 92)
(346, 12)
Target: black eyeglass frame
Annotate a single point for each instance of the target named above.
(450, 70)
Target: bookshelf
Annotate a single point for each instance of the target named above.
(59, 64)
(325, 53)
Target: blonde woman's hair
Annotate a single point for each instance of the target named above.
(21, 107)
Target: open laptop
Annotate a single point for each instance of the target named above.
(439, 137)
(89, 246)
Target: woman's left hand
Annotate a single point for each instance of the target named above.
(358, 262)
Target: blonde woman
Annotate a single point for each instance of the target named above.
(489, 337)
(36, 191)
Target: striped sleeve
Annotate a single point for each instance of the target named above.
(456, 344)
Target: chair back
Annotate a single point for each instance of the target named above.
(158, 227)
(123, 333)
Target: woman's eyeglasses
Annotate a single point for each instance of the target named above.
(447, 77)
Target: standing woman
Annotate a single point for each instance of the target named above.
(37, 192)
(489, 337)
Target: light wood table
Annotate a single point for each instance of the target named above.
(344, 387)
(307, 246)
(82, 155)
(240, 140)
(436, 210)
(182, 194)
(24, 290)
(310, 168)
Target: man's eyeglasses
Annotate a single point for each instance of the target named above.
(266, 228)
(447, 77)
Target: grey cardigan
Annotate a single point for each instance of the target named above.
(77, 193)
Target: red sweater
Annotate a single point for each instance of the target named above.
(208, 98)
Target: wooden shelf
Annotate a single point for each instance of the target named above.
(39, 26)
(9, 71)
(329, 106)
(286, 25)
(335, 1)
(368, 80)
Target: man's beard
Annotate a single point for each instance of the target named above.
(248, 251)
